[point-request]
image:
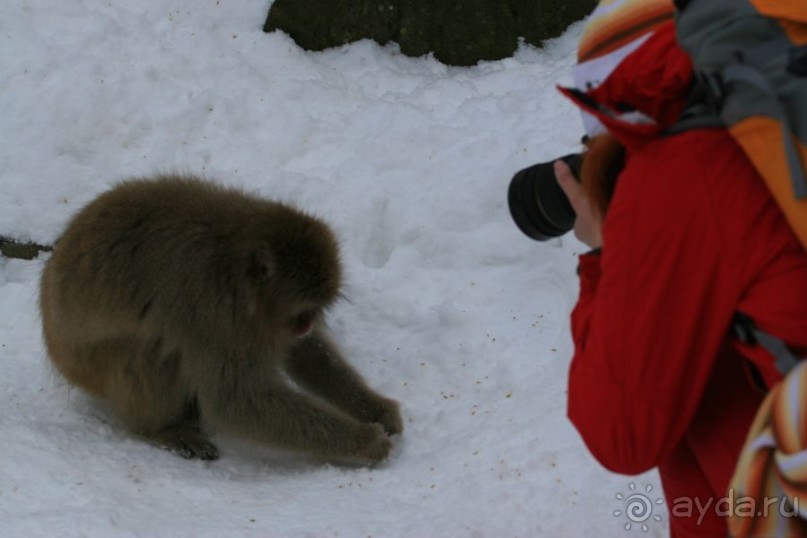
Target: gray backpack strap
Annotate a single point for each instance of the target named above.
(784, 359)
(710, 88)
(747, 332)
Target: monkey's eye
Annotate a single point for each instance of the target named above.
(303, 322)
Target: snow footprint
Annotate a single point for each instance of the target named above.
(381, 241)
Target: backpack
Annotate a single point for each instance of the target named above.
(750, 63)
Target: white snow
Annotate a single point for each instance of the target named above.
(451, 310)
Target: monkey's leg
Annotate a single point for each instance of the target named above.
(277, 415)
(142, 384)
(317, 365)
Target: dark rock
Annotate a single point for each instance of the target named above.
(458, 32)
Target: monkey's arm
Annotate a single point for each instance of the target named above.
(267, 411)
(316, 364)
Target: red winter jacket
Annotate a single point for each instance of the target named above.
(691, 237)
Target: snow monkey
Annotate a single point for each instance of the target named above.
(188, 306)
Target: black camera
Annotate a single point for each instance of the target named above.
(538, 204)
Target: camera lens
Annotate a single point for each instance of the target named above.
(538, 205)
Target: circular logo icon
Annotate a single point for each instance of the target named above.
(638, 507)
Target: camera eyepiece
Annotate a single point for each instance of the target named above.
(538, 205)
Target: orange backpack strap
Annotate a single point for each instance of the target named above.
(748, 71)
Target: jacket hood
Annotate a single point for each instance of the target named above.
(642, 95)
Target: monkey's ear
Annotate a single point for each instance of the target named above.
(260, 265)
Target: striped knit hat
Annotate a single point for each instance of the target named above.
(614, 30)
(616, 23)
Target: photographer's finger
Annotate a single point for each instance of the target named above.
(567, 182)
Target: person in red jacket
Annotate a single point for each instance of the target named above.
(690, 238)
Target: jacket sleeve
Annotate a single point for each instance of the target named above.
(653, 311)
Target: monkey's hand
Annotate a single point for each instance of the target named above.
(389, 416)
(374, 445)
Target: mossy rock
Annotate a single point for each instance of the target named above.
(458, 32)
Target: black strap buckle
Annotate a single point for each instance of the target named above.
(713, 88)
(743, 328)
(797, 61)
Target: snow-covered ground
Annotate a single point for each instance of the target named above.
(451, 310)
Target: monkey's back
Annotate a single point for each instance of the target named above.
(148, 237)
(158, 261)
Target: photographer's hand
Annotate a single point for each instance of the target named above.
(588, 225)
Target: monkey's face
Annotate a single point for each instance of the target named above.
(294, 274)
(288, 303)
(281, 313)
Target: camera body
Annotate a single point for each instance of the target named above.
(537, 204)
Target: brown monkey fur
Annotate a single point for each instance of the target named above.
(183, 304)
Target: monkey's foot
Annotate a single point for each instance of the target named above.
(188, 442)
